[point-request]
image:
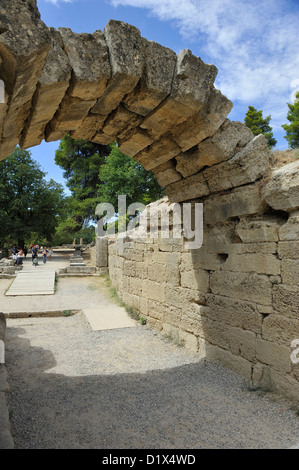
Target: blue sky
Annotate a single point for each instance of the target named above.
(253, 43)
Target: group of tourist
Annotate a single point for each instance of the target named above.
(18, 253)
(46, 253)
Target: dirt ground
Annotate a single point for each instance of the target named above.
(72, 387)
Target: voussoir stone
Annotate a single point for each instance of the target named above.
(230, 137)
(204, 123)
(49, 93)
(192, 84)
(88, 58)
(126, 56)
(246, 166)
(156, 82)
(24, 43)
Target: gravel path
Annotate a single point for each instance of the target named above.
(130, 388)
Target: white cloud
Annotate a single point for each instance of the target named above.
(56, 2)
(253, 44)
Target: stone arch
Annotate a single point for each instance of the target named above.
(114, 85)
(238, 295)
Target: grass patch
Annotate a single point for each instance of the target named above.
(8, 286)
(66, 313)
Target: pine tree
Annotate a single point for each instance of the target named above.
(292, 129)
(259, 125)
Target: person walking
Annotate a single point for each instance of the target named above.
(50, 253)
(14, 253)
(45, 254)
(25, 251)
(34, 255)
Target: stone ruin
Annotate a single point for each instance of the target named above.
(234, 300)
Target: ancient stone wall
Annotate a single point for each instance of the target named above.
(236, 299)
(6, 441)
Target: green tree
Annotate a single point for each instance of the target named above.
(292, 129)
(81, 161)
(122, 174)
(96, 173)
(259, 125)
(28, 203)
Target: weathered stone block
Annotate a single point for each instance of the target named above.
(234, 312)
(191, 87)
(288, 249)
(203, 124)
(69, 117)
(280, 329)
(290, 230)
(290, 271)
(9, 269)
(274, 355)
(49, 93)
(233, 362)
(88, 57)
(101, 252)
(166, 173)
(259, 230)
(136, 141)
(126, 55)
(270, 379)
(135, 286)
(188, 340)
(120, 122)
(246, 166)
(195, 279)
(153, 290)
(155, 84)
(23, 50)
(166, 313)
(89, 127)
(282, 191)
(188, 188)
(242, 286)
(200, 259)
(286, 300)
(158, 153)
(240, 201)
(230, 138)
(253, 262)
(182, 297)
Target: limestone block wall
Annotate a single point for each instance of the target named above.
(236, 299)
(6, 441)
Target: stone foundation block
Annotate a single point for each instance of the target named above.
(274, 355)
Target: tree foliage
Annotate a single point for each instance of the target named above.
(96, 173)
(122, 174)
(259, 125)
(28, 203)
(292, 129)
(81, 161)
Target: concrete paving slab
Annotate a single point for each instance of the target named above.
(34, 282)
(108, 318)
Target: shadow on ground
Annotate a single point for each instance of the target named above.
(193, 406)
